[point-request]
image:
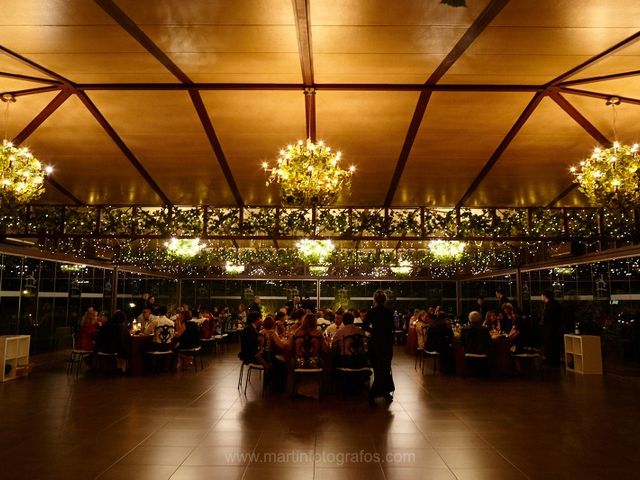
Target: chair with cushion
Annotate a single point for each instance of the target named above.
(207, 342)
(352, 362)
(428, 352)
(306, 360)
(529, 356)
(161, 349)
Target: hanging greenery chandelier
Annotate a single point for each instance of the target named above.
(447, 250)
(233, 269)
(21, 174)
(184, 247)
(315, 252)
(309, 174)
(610, 177)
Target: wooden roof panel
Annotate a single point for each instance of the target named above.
(167, 137)
(86, 161)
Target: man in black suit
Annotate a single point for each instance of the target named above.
(552, 328)
(249, 339)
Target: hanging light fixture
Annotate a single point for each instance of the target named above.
(447, 250)
(315, 252)
(21, 173)
(404, 267)
(233, 269)
(309, 174)
(610, 177)
(184, 247)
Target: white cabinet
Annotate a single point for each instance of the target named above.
(14, 354)
(582, 354)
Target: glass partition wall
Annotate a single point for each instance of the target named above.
(46, 299)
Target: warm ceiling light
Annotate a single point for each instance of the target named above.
(309, 174)
(184, 247)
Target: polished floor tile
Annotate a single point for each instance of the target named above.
(198, 426)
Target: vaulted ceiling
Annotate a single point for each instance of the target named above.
(173, 102)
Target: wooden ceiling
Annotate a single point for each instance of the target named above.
(174, 102)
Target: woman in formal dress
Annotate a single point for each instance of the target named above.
(379, 322)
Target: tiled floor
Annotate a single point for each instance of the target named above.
(197, 426)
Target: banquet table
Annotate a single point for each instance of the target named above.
(500, 355)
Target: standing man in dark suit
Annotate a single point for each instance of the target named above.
(552, 329)
(249, 339)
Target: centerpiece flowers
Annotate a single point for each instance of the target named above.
(610, 177)
(309, 174)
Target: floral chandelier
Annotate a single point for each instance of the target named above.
(610, 177)
(309, 174)
(233, 269)
(404, 267)
(315, 252)
(447, 250)
(21, 174)
(184, 247)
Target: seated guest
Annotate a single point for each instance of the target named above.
(336, 324)
(88, 329)
(281, 322)
(475, 337)
(524, 333)
(422, 322)
(506, 318)
(362, 317)
(181, 322)
(295, 321)
(306, 346)
(249, 339)
(439, 339)
(492, 322)
(159, 320)
(324, 322)
(190, 338)
(113, 337)
(270, 349)
(343, 348)
(144, 318)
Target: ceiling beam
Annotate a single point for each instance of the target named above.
(600, 78)
(373, 87)
(64, 191)
(42, 116)
(561, 195)
(472, 33)
(104, 123)
(586, 64)
(70, 86)
(35, 66)
(603, 96)
(46, 112)
(29, 78)
(136, 32)
(34, 91)
(303, 29)
(524, 116)
(205, 120)
(579, 118)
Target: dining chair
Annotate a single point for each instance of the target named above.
(76, 357)
(163, 336)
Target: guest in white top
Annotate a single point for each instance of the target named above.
(334, 327)
(158, 321)
(347, 328)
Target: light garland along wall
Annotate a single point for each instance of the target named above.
(46, 299)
